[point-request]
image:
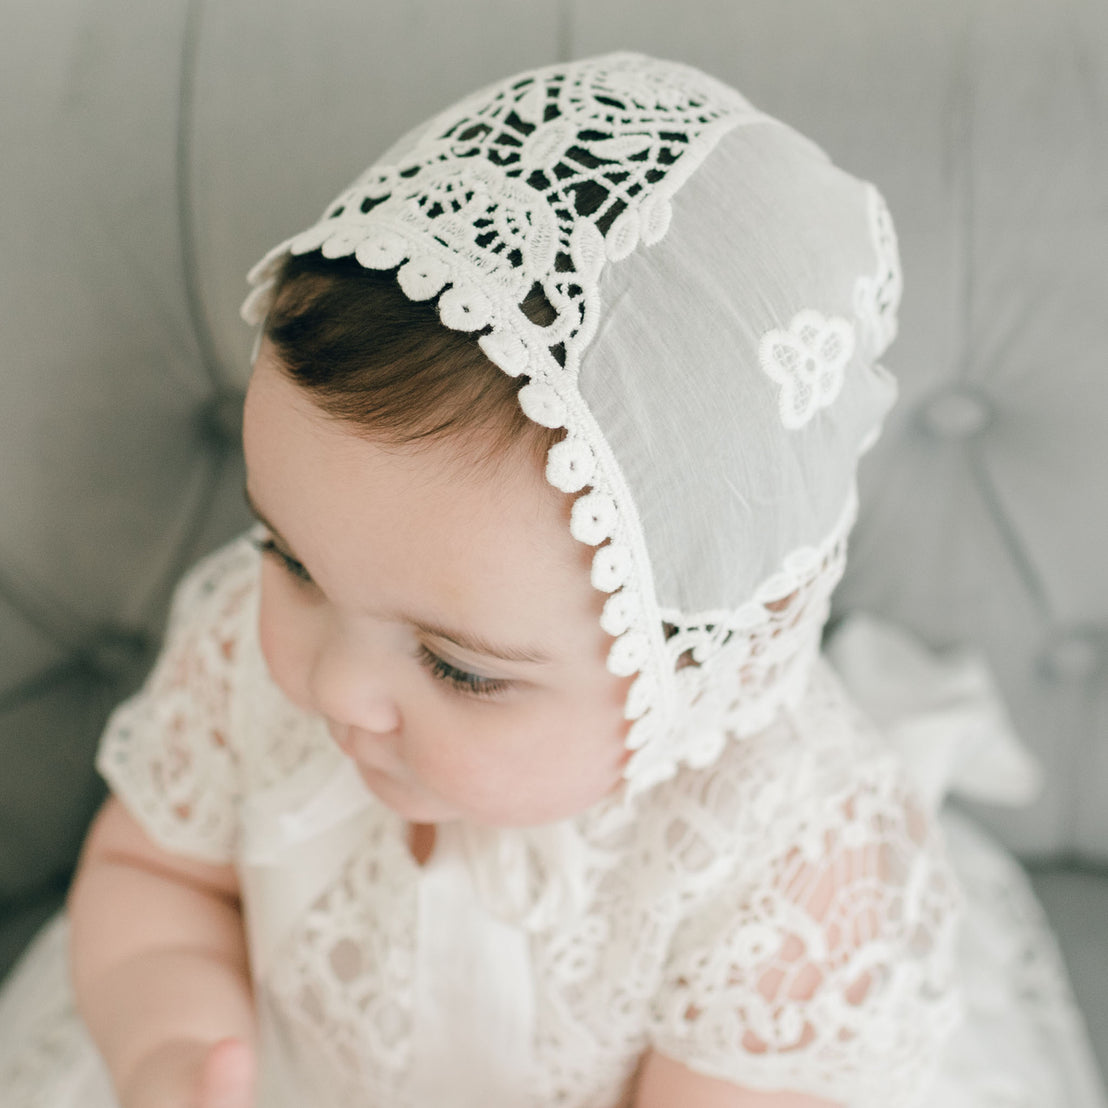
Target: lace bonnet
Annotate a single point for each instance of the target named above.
(722, 293)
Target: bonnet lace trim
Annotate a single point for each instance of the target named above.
(535, 184)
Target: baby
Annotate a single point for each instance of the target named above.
(499, 766)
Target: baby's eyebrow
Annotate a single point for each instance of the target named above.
(259, 515)
(477, 644)
(466, 640)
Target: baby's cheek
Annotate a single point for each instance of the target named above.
(284, 656)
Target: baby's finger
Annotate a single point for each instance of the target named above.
(228, 1077)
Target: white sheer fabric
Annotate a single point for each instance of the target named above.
(721, 293)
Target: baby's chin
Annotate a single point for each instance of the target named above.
(407, 801)
(416, 804)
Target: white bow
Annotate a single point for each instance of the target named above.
(941, 712)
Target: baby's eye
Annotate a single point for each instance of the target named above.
(287, 562)
(460, 680)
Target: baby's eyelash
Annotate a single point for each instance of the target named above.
(460, 680)
(287, 562)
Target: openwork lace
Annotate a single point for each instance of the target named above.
(534, 185)
(768, 917)
(776, 917)
(190, 686)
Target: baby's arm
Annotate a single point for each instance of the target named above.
(664, 1083)
(160, 970)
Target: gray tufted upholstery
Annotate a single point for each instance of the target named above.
(151, 152)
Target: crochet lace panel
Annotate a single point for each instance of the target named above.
(734, 670)
(185, 785)
(343, 984)
(536, 184)
(835, 949)
(781, 918)
(784, 920)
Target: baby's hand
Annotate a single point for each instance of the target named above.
(227, 1077)
(187, 1074)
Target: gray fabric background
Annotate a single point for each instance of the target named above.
(151, 152)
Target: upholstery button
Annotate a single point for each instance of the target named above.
(956, 412)
(1075, 654)
(220, 418)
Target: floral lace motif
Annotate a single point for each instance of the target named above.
(535, 184)
(772, 641)
(343, 984)
(808, 361)
(836, 946)
(187, 791)
(736, 669)
(777, 917)
(780, 919)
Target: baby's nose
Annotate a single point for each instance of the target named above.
(352, 693)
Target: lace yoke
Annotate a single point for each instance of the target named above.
(782, 919)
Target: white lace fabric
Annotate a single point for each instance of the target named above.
(829, 967)
(782, 918)
(765, 898)
(720, 295)
(187, 795)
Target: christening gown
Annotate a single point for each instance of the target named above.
(785, 919)
(766, 897)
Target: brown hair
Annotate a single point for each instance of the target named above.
(372, 358)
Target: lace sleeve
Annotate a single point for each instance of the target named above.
(168, 752)
(825, 966)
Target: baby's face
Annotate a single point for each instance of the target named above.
(439, 618)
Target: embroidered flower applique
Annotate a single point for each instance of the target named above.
(808, 361)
